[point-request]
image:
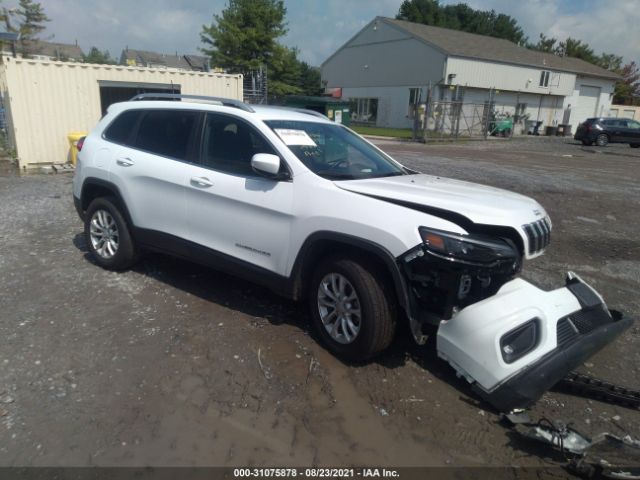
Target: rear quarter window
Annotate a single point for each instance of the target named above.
(121, 129)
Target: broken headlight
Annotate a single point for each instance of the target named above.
(477, 250)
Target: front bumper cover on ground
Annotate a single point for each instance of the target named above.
(573, 323)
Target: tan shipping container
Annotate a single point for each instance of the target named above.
(45, 100)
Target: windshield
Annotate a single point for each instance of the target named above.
(333, 152)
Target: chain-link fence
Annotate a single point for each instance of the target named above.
(455, 119)
(255, 86)
(458, 117)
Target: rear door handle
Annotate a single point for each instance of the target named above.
(202, 181)
(125, 162)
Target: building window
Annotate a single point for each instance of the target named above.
(544, 78)
(364, 110)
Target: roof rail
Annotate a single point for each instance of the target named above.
(227, 102)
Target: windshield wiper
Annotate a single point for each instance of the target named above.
(390, 174)
(331, 175)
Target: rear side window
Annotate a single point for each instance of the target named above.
(166, 132)
(122, 127)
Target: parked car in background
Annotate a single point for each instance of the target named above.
(603, 131)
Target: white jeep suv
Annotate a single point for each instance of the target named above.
(293, 201)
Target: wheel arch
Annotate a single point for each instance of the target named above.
(321, 244)
(93, 188)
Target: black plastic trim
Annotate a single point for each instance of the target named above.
(179, 247)
(452, 217)
(526, 387)
(382, 253)
(92, 181)
(78, 206)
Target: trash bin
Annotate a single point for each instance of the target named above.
(550, 131)
(73, 138)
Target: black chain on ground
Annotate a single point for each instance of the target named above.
(591, 387)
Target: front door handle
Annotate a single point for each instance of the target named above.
(125, 162)
(202, 181)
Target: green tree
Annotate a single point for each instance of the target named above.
(310, 83)
(545, 44)
(572, 47)
(245, 35)
(32, 19)
(610, 61)
(462, 17)
(284, 72)
(95, 55)
(627, 90)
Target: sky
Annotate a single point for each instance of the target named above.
(319, 27)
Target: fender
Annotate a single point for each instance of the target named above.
(106, 185)
(310, 248)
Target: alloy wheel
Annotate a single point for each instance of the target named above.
(103, 233)
(339, 308)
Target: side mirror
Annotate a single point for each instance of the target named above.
(267, 165)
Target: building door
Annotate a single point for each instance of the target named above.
(587, 106)
(114, 92)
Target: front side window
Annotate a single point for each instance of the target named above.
(633, 124)
(166, 132)
(334, 152)
(229, 144)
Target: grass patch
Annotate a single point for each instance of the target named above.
(382, 132)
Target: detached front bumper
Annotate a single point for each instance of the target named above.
(517, 344)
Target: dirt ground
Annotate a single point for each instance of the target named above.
(174, 364)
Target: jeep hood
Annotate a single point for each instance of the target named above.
(437, 195)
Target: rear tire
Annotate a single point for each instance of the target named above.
(602, 140)
(108, 236)
(352, 307)
(586, 143)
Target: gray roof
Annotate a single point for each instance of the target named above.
(61, 51)
(154, 59)
(462, 44)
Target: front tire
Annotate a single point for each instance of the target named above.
(634, 145)
(602, 140)
(107, 235)
(352, 308)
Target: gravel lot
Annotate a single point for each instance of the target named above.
(174, 364)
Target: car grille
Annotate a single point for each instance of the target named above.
(581, 323)
(538, 234)
(565, 331)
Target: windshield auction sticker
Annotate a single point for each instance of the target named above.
(295, 137)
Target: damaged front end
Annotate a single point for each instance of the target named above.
(517, 344)
(511, 340)
(449, 272)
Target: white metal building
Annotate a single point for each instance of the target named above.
(46, 100)
(382, 67)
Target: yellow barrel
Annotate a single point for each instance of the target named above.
(73, 138)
